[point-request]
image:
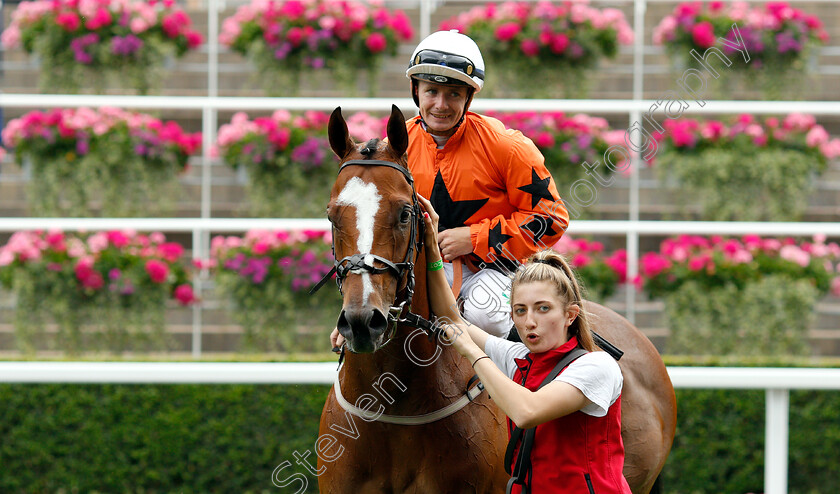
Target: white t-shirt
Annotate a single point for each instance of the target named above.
(596, 374)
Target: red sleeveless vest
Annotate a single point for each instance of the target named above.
(575, 454)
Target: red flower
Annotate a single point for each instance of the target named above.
(157, 270)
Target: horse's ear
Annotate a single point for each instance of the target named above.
(397, 134)
(340, 140)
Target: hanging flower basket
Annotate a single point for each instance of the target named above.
(745, 170)
(599, 274)
(566, 141)
(107, 160)
(287, 159)
(543, 49)
(780, 40)
(91, 44)
(266, 278)
(103, 291)
(292, 39)
(748, 296)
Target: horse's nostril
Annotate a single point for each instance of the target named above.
(342, 325)
(378, 322)
(361, 326)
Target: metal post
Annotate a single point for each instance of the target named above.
(425, 18)
(776, 441)
(197, 286)
(639, 9)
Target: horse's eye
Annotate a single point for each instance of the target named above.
(405, 216)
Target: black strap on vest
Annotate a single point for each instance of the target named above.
(522, 469)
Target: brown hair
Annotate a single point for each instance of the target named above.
(550, 266)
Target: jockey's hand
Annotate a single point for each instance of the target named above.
(455, 242)
(337, 340)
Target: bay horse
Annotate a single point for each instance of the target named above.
(440, 433)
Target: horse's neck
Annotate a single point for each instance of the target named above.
(432, 373)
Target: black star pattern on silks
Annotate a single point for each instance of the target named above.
(538, 188)
(452, 213)
(496, 238)
(540, 226)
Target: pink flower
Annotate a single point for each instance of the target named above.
(703, 34)
(376, 42)
(101, 19)
(581, 260)
(816, 136)
(69, 21)
(618, 263)
(795, 254)
(835, 286)
(653, 264)
(171, 251)
(700, 262)
(508, 31)
(530, 47)
(184, 294)
(157, 270)
(117, 239)
(544, 140)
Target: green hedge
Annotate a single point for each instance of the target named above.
(230, 438)
(153, 438)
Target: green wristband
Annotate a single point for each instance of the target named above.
(435, 266)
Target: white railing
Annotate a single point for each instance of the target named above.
(777, 383)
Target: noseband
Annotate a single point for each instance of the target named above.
(359, 263)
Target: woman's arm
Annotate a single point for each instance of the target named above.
(526, 408)
(441, 300)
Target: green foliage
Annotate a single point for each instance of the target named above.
(771, 316)
(743, 182)
(230, 438)
(153, 439)
(719, 446)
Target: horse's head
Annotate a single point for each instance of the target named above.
(374, 215)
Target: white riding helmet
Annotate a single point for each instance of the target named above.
(448, 57)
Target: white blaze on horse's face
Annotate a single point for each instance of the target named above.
(365, 198)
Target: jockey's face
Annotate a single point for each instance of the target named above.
(441, 106)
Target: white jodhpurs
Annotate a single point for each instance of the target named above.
(486, 296)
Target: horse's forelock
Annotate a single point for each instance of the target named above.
(370, 149)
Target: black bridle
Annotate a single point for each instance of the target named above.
(399, 311)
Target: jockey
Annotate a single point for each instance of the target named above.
(498, 203)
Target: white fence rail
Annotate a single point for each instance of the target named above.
(777, 383)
